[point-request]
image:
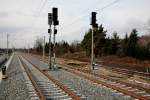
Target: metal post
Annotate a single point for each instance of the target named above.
(54, 47)
(50, 58)
(28, 49)
(50, 32)
(44, 48)
(7, 45)
(0, 43)
(92, 51)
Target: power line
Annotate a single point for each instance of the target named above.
(42, 6)
(110, 4)
(95, 4)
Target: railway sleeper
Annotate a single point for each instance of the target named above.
(127, 88)
(133, 90)
(58, 97)
(47, 93)
(147, 95)
(48, 87)
(55, 91)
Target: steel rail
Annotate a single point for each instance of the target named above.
(92, 78)
(57, 82)
(119, 81)
(37, 89)
(125, 83)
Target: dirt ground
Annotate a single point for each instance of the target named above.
(126, 62)
(114, 61)
(85, 67)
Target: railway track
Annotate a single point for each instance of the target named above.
(127, 72)
(144, 75)
(118, 86)
(122, 71)
(46, 87)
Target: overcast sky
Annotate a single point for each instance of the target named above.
(25, 20)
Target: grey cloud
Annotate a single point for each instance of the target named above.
(3, 14)
(148, 22)
(25, 19)
(11, 29)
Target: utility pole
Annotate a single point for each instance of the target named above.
(7, 45)
(92, 50)
(28, 49)
(94, 25)
(44, 48)
(0, 43)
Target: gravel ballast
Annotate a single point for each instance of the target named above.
(83, 87)
(90, 90)
(14, 87)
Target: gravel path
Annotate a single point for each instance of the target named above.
(13, 88)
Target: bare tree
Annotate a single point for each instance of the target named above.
(38, 44)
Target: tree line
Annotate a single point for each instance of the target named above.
(103, 45)
(61, 48)
(128, 46)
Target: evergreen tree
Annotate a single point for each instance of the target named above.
(115, 43)
(107, 47)
(86, 42)
(99, 41)
(124, 46)
(62, 48)
(75, 46)
(132, 43)
(46, 47)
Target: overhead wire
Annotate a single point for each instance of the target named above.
(102, 8)
(112, 3)
(42, 6)
(43, 3)
(86, 10)
(37, 13)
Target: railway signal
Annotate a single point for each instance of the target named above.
(93, 20)
(50, 19)
(55, 16)
(55, 23)
(94, 25)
